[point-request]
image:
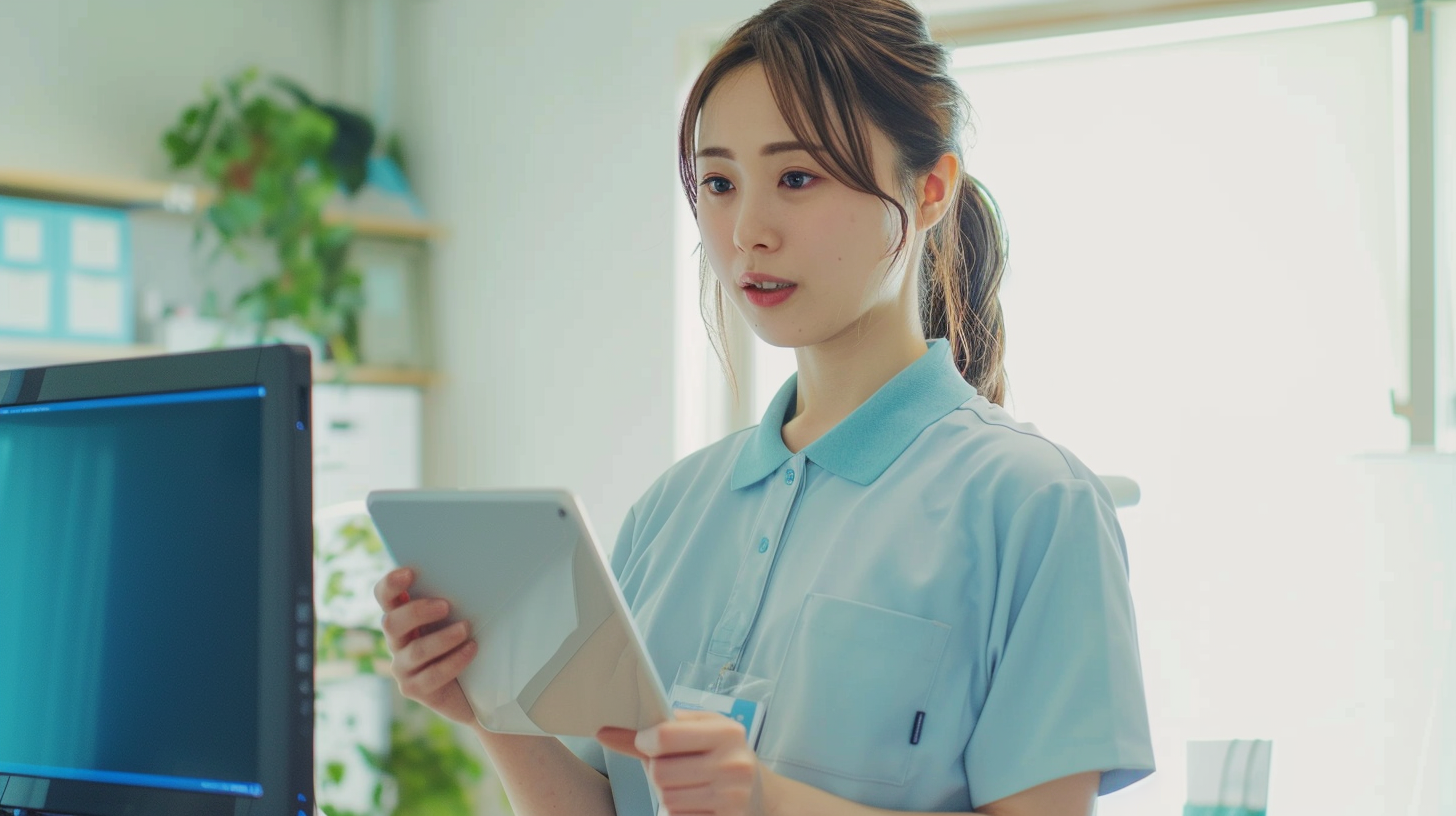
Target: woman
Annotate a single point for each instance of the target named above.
(936, 594)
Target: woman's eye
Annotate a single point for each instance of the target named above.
(797, 179)
(717, 185)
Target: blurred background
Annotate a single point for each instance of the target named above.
(1230, 280)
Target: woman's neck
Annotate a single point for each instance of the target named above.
(839, 375)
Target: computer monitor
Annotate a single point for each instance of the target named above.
(156, 592)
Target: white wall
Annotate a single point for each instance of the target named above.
(89, 86)
(542, 135)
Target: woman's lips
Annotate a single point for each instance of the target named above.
(769, 297)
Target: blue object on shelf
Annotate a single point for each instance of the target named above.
(65, 272)
(386, 176)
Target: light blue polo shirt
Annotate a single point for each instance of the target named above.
(939, 593)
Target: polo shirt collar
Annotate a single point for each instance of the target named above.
(865, 443)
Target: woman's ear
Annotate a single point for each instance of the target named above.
(936, 190)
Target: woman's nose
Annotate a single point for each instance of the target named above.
(755, 228)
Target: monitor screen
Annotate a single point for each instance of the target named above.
(155, 586)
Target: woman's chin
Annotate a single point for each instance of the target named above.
(783, 337)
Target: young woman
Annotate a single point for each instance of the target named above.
(936, 593)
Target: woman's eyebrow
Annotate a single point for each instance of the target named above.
(770, 149)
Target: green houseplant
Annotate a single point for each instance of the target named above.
(425, 771)
(277, 157)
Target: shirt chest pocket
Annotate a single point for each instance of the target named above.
(851, 685)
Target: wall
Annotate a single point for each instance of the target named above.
(542, 135)
(89, 87)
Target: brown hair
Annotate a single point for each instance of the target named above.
(833, 66)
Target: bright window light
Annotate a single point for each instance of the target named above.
(1203, 250)
(1104, 41)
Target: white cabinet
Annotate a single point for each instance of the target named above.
(365, 437)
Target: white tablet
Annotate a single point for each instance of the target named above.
(559, 652)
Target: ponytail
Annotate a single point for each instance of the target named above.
(965, 257)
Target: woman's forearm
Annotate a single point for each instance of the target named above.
(542, 777)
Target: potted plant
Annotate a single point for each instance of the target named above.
(277, 157)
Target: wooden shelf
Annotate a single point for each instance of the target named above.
(332, 670)
(20, 352)
(372, 375)
(181, 199)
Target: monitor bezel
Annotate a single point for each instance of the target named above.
(286, 627)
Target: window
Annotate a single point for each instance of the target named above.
(1205, 295)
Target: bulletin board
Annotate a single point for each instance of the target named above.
(65, 272)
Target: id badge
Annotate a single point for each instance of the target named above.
(738, 696)
(735, 695)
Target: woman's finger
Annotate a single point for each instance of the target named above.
(392, 591)
(401, 625)
(427, 681)
(690, 732)
(701, 798)
(682, 770)
(426, 649)
(620, 740)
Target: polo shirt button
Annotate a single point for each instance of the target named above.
(789, 477)
(763, 545)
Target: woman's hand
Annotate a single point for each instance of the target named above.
(427, 659)
(699, 762)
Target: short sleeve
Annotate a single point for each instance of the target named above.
(588, 749)
(622, 551)
(1066, 688)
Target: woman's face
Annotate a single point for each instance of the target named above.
(769, 214)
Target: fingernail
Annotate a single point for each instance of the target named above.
(647, 741)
